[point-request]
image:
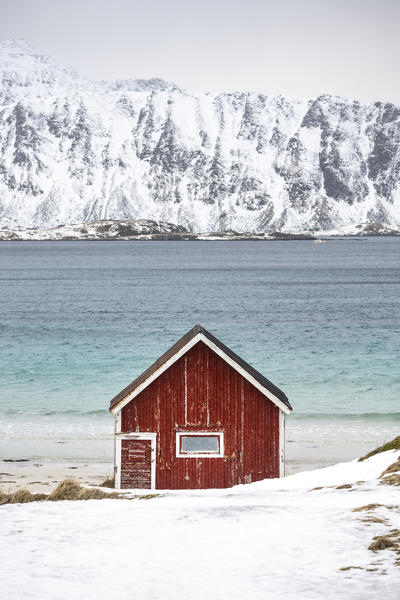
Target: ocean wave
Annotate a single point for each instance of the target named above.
(51, 413)
(295, 416)
(368, 416)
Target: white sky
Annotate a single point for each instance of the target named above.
(291, 47)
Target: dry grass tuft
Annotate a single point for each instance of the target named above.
(3, 498)
(393, 468)
(108, 483)
(93, 494)
(383, 542)
(393, 479)
(66, 490)
(148, 496)
(367, 507)
(374, 520)
(348, 568)
(393, 445)
(344, 486)
(21, 497)
(69, 489)
(389, 541)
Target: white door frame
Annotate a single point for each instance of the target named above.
(118, 452)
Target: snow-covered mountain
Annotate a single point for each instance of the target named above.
(74, 150)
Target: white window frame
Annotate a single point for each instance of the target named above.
(219, 434)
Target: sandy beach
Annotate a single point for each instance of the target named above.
(42, 476)
(39, 465)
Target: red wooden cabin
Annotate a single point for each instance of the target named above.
(199, 417)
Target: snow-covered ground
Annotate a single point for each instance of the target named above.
(276, 539)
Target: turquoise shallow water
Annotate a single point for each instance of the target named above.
(80, 320)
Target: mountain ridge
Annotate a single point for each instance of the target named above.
(75, 150)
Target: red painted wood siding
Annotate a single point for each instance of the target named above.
(200, 391)
(136, 464)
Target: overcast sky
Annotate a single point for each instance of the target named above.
(292, 47)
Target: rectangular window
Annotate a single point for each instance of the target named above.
(201, 444)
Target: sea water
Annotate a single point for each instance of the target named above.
(80, 320)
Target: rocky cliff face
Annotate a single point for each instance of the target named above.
(73, 151)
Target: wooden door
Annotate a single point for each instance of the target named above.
(136, 464)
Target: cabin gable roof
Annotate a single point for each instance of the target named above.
(195, 335)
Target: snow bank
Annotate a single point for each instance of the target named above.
(349, 472)
(270, 540)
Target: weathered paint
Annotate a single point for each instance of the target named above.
(201, 391)
(136, 463)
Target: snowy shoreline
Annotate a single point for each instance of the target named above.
(147, 229)
(60, 449)
(40, 474)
